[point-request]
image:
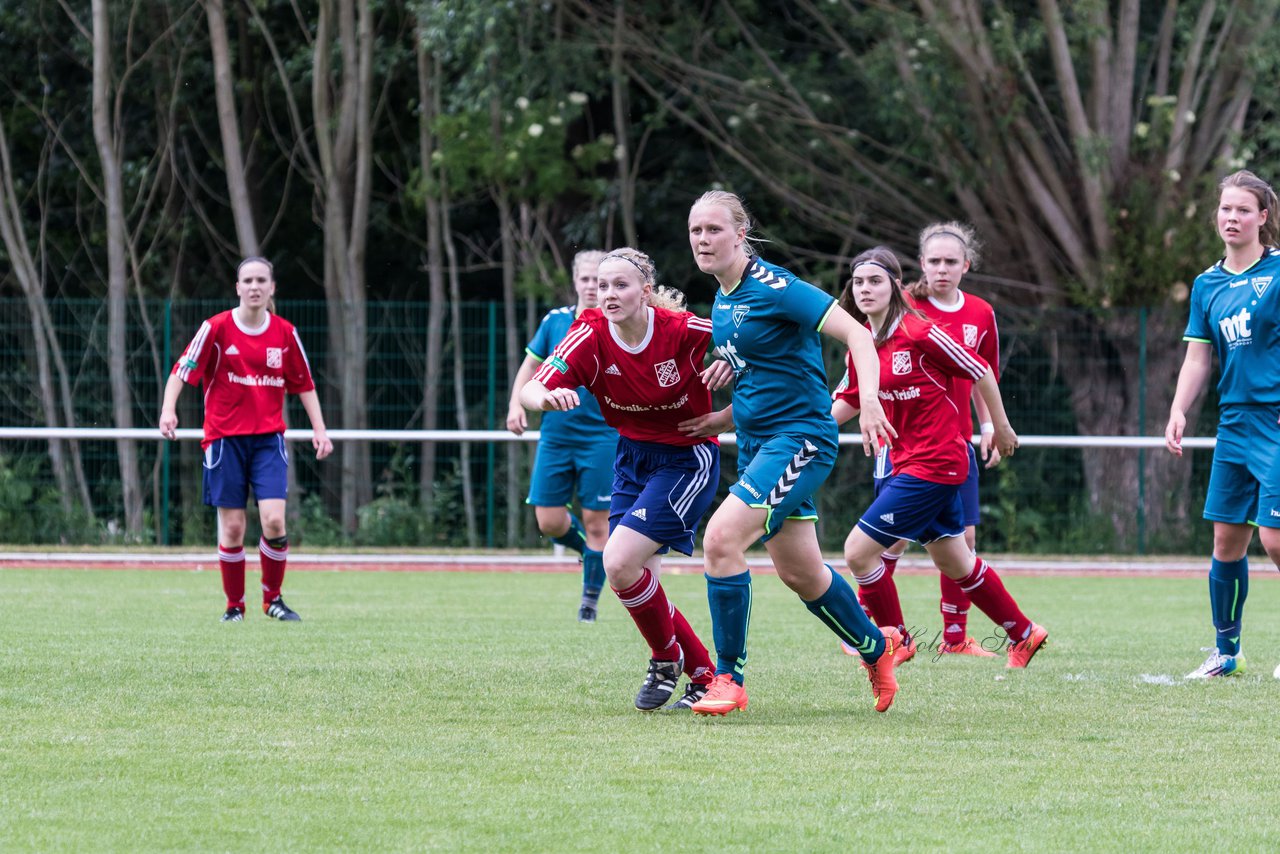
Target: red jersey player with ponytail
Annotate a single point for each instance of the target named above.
(919, 364)
(947, 251)
(641, 355)
(247, 358)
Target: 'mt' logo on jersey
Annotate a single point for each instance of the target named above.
(1235, 329)
(729, 353)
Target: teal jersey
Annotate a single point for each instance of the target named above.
(766, 328)
(1237, 314)
(583, 424)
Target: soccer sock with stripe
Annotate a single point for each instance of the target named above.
(1228, 588)
(575, 538)
(839, 610)
(984, 587)
(954, 606)
(273, 553)
(647, 604)
(879, 594)
(697, 661)
(231, 563)
(730, 601)
(592, 575)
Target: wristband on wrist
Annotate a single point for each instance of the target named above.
(987, 427)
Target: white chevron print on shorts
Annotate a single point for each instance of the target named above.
(789, 477)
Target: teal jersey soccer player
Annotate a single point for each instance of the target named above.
(1233, 313)
(575, 449)
(766, 323)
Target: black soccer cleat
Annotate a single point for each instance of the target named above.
(693, 692)
(233, 614)
(587, 613)
(659, 683)
(277, 610)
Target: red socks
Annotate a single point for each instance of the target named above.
(647, 604)
(987, 591)
(273, 563)
(664, 628)
(232, 565)
(955, 611)
(878, 595)
(697, 661)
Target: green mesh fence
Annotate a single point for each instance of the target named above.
(1064, 373)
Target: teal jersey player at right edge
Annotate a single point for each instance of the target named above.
(575, 449)
(1234, 307)
(766, 322)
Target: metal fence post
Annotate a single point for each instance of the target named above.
(164, 465)
(1142, 429)
(489, 446)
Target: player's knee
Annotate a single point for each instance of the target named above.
(272, 526)
(231, 533)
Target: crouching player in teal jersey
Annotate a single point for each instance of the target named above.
(1234, 309)
(766, 324)
(575, 449)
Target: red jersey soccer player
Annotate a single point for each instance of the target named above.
(947, 250)
(918, 365)
(641, 356)
(247, 358)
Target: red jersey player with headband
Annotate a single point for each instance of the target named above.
(919, 363)
(947, 251)
(247, 359)
(641, 356)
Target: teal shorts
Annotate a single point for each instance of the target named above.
(562, 471)
(1244, 483)
(780, 474)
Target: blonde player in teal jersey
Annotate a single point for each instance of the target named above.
(1235, 305)
(767, 323)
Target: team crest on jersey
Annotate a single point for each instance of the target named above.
(274, 357)
(740, 314)
(970, 335)
(668, 373)
(1260, 284)
(901, 362)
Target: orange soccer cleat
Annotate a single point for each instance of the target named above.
(723, 696)
(968, 646)
(884, 685)
(1020, 653)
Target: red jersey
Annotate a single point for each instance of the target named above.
(246, 373)
(972, 322)
(646, 391)
(919, 367)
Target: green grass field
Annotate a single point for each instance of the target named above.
(471, 712)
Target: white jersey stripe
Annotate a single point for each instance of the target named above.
(957, 353)
(303, 352)
(192, 353)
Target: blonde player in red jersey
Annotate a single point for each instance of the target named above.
(919, 363)
(247, 358)
(947, 252)
(641, 355)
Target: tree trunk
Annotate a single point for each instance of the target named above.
(229, 125)
(1117, 390)
(106, 136)
(344, 142)
(428, 109)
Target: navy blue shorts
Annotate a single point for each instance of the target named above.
(663, 491)
(234, 463)
(970, 513)
(909, 508)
